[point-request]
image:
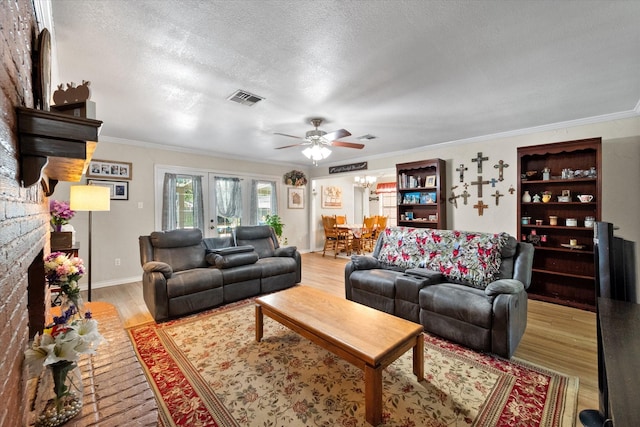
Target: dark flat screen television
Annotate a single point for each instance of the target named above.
(615, 279)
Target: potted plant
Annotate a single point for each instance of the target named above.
(276, 223)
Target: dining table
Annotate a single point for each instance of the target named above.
(355, 231)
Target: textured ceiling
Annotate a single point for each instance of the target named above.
(413, 73)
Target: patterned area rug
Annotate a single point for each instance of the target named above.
(208, 370)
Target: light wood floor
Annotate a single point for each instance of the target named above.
(558, 338)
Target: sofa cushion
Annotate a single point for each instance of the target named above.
(462, 257)
(231, 250)
(275, 266)
(261, 237)
(193, 281)
(459, 302)
(232, 260)
(378, 281)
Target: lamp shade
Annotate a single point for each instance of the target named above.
(90, 198)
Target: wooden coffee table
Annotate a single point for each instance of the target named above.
(365, 337)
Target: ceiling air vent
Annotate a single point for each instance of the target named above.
(367, 137)
(245, 98)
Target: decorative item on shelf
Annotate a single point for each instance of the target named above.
(296, 178)
(571, 222)
(589, 221)
(538, 222)
(536, 198)
(72, 93)
(60, 216)
(585, 198)
(546, 174)
(525, 220)
(546, 196)
(526, 197)
(553, 220)
(61, 213)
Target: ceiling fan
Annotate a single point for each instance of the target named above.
(319, 141)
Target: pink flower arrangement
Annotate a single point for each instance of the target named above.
(61, 213)
(64, 271)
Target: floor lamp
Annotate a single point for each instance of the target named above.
(90, 198)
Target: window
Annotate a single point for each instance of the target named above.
(263, 200)
(182, 202)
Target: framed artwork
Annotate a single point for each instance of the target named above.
(296, 198)
(109, 169)
(431, 181)
(119, 190)
(331, 197)
(566, 193)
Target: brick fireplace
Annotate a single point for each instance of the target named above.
(24, 214)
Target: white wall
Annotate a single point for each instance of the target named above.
(620, 175)
(115, 233)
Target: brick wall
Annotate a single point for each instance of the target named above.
(23, 212)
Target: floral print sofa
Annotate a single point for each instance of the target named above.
(467, 287)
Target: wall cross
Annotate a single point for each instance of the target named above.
(465, 195)
(479, 160)
(481, 207)
(479, 183)
(461, 169)
(493, 182)
(501, 166)
(453, 199)
(497, 195)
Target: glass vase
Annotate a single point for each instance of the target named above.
(73, 300)
(60, 394)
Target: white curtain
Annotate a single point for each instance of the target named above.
(169, 202)
(228, 197)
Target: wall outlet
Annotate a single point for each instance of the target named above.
(117, 261)
(140, 205)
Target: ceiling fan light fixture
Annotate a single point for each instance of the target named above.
(316, 152)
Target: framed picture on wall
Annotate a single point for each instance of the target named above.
(109, 169)
(331, 197)
(119, 190)
(295, 198)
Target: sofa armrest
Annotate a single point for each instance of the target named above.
(431, 277)
(154, 292)
(362, 262)
(504, 286)
(286, 251)
(160, 267)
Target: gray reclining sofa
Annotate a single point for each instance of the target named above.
(184, 273)
(469, 288)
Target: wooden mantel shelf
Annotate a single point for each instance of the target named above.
(54, 146)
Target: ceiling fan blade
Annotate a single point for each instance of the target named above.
(347, 144)
(290, 136)
(336, 134)
(294, 145)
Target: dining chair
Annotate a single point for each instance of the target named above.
(367, 238)
(381, 224)
(334, 238)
